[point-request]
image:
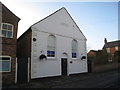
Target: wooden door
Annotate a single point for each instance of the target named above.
(64, 66)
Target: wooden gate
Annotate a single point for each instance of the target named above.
(22, 70)
(89, 66)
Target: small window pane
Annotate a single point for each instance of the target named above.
(9, 34)
(48, 52)
(9, 27)
(4, 33)
(4, 26)
(52, 52)
(5, 65)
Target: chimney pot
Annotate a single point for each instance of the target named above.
(105, 41)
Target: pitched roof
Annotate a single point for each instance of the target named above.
(93, 50)
(51, 15)
(63, 8)
(112, 44)
(9, 10)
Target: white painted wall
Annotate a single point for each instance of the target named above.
(64, 34)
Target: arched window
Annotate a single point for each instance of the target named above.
(51, 44)
(74, 48)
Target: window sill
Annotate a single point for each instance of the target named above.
(5, 71)
(6, 37)
(75, 59)
(51, 58)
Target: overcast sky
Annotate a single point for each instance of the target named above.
(97, 20)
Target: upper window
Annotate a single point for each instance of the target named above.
(6, 30)
(74, 48)
(51, 43)
(5, 63)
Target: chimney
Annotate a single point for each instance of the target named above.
(105, 41)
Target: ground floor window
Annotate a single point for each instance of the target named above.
(5, 63)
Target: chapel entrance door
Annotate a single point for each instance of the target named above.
(64, 66)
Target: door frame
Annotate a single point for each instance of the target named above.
(65, 56)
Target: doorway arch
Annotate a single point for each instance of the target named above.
(64, 55)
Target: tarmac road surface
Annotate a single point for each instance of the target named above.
(109, 79)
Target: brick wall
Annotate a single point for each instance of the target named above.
(9, 50)
(91, 53)
(119, 48)
(9, 17)
(9, 44)
(24, 44)
(112, 50)
(106, 67)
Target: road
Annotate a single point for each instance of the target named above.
(109, 79)
(96, 80)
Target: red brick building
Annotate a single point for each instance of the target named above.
(92, 53)
(111, 47)
(8, 41)
(104, 56)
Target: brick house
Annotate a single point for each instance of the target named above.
(92, 53)
(55, 45)
(8, 44)
(111, 47)
(104, 56)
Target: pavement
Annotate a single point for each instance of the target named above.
(108, 79)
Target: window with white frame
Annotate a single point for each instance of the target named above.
(6, 30)
(74, 48)
(51, 43)
(108, 50)
(5, 63)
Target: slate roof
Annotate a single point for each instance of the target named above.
(112, 44)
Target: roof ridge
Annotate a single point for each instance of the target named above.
(114, 41)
